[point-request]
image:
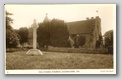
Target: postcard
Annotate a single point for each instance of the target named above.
(60, 38)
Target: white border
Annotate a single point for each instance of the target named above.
(66, 71)
(63, 71)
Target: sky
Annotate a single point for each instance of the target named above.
(24, 14)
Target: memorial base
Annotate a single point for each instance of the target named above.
(34, 52)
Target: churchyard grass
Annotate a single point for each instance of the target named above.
(58, 60)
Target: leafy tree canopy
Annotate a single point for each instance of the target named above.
(108, 38)
(23, 32)
(53, 33)
(12, 39)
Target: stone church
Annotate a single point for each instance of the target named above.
(89, 30)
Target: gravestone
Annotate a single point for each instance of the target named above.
(34, 51)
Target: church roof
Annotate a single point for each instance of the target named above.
(84, 27)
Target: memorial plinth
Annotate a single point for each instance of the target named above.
(34, 51)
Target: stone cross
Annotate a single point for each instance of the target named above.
(34, 51)
(34, 25)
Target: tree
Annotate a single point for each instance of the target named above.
(58, 33)
(23, 32)
(99, 42)
(9, 20)
(108, 37)
(43, 34)
(12, 39)
(53, 33)
(30, 36)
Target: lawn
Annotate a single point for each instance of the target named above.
(58, 60)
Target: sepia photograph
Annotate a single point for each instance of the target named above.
(60, 38)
